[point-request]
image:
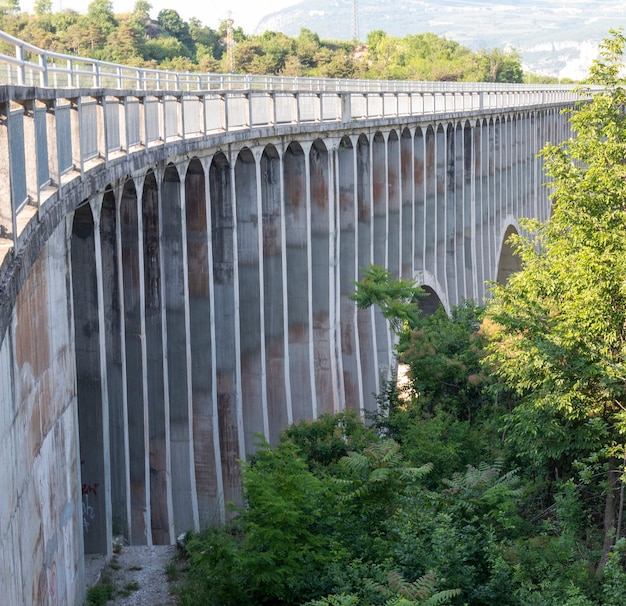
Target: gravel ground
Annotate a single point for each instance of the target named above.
(139, 576)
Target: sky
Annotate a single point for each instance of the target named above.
(245, 13)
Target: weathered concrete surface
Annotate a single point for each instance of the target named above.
(170, 303)
(41, 514)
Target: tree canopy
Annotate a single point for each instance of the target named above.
(559, 325)
(170, 42)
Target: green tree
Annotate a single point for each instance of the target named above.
(560, 323)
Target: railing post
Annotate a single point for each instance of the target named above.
(30, 152)
(21, 69)
(101, 128)
(76, 111)
(346, 107)
(180, 116)
(51, 136)
(43, 74)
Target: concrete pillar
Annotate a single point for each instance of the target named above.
(365, 317)
(274, 293)
(459, 212)
(251, 330)
(419, 207)
(451, 278)
(348, 274)
(439, 225)
(135, 370)
(482, 207)
(394, 187)
(222, 249)
(206, 447)
(468, 210)
(161, 520)
(322, 284)
(430, 200)
(380, 224)
(177, 375)
(297, 238)
(89, 386)
(115, 363)
(407, 218)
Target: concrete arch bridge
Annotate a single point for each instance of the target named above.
(176, 264)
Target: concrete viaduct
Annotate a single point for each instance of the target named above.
(177, 259)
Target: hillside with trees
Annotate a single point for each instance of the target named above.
(169, 42)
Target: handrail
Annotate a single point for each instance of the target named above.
(34, 66)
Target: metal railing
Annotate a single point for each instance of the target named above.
(33, 66)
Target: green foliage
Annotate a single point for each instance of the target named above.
(417, 57)
(558, 333)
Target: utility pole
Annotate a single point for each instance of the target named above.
(355, 21)
(230, 43)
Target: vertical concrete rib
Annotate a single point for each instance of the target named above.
(206, 463)
(113, 336)
(407, 193)
(320, 262)
(380, 198)
(176, 347)
(469, 251)
(158, 443)
(275, 325)
(459, 211)
(365, 317)
(222, 246)
(133, 279)
(90, 383)
(248, 271)
(450, 217)
(297, 281)
(419, 210)
(439, 224)
(348, 268)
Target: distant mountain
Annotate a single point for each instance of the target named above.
(555, 37)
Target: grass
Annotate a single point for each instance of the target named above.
(99, 595)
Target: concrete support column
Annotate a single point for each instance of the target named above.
(430, 201)
(158, 443)
(90, 385)
(225, 313)
(351, 378)
(275, 323)
(207, 464)
(250, 301)
(451, 278)
(113, 312)
(179, 432)
(459, 212)
(407, 207)
(394, 189)
(297, 274)
(321, 201)
(419, 208)
(365, 317)
(380, 225)
(439, 225)
(468, 210)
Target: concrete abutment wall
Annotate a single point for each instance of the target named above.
(185, 301)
